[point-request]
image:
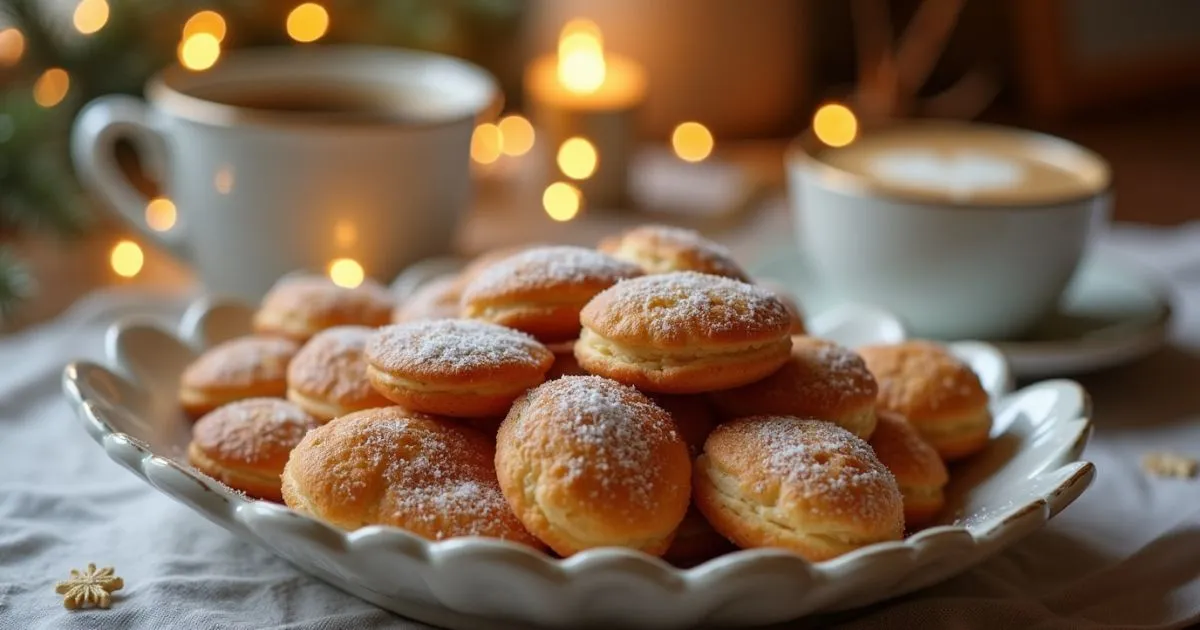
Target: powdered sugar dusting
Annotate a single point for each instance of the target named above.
(242, 361)
(688, 246)
(316, 297)
(439, 477)
(822, 462)
(686, 306)
(835, 367)
(922, 373)
(254, 431)
(612, 437)
(332, 365)
(550, 267)
(457, 345)
(437, 299)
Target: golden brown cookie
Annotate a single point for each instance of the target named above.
(918, 469)
(245, 444)
(300, 306)
(540, 290)
(821, 380)
(936, 392)
(809, 486)
(684, 333)
(328, 377)
(247, 367)
(663, 249)
(455, 367)
(390, 466)
(587, 462)
(437, 299)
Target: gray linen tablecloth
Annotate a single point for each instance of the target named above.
(1126, 555)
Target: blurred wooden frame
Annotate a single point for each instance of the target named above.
(1054, 85)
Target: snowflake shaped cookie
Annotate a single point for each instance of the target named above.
(90, 587)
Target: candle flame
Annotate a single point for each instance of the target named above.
(581, 65)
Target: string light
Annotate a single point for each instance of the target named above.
(199, 51)
(51, 87)
(835, 125)
(307, 22)
(561, 201)
(692, 141)
(577, 158)
(209, 22)
(126, 259)
(346, 273)
(160, 214)
(486, 143)
(12, 46)
(516, 135)
(90, 16)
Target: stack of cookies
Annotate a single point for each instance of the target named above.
(644, 394)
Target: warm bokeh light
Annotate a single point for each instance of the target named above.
(516, 135)
(51, 88)
(346, 273)
(577, 158)
(561, 201)
(581, 65)
(835, 125)
(223, 180)
(12, 46)
(344, 233)
(127, 259)
(307, 22)
(199, 51)
(160, 214)
(209, 22)
(90, 16)
(486, 143)
(692, 141)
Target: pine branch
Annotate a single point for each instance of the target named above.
(16, 283)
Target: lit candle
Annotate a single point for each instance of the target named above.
(582, 75)
(584, 100)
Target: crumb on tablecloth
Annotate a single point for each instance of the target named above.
(1163, 464)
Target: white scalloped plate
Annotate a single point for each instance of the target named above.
(1030, 472)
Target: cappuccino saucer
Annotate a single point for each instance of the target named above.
(1113, 313)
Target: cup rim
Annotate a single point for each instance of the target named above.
(166, 89)
(800, 154)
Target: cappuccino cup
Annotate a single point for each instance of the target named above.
(962, 230)
(286, 159)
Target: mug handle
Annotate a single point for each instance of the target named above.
(100, 124)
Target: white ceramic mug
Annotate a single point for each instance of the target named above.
(269, 178)
(960, 229)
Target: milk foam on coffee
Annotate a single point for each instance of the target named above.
(965, 163)
(960, 174)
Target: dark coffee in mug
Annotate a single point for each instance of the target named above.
(353, 102)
